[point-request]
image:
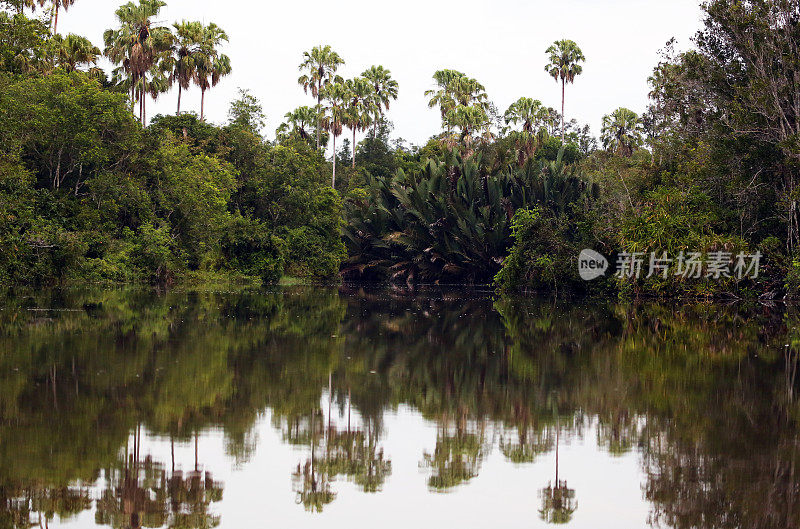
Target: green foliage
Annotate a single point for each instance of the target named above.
(449, 222)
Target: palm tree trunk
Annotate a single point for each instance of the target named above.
(202, 104)
(333, 182)
(319, 104)
(180, 88)
(354, 148)
(563, 93)
(55, 16)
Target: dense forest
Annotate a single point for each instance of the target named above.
(93, 189)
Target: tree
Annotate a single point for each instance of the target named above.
(565, 57)
(211, 65)
(300, 122)
(320, 65)
(337, 96)
(138, 47)
(74, 50)
(360, 94)
(57, 4)
(463, 105)
(531, 115)
(182, 63)
(622, 132)
(384, 91)
(246, 112)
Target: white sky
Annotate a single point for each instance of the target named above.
(500, 43)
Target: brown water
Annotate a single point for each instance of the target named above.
(307, 407)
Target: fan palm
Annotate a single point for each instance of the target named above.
(300, 122)
(74, 50)
(337, 97)
(622, 132)
(384, 88)
(182, 63)
(531, 115)
(320, 65)
(463, 104)
(57, 4)
(211, 66)
(138, 47)
(360, 93)
(565, 57)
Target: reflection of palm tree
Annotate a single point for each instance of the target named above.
(312, 486)
(457, 458)
(558, 502)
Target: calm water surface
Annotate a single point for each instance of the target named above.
(307, 407)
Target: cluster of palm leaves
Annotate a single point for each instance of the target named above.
(464, 108)
(622, 132)
(450, 223)
(152, 58)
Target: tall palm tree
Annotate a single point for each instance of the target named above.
(74, 50)
(565, 57)
(360, 94)
(182, 63)
(138, 47)
(57, 4)
(320, 65)
(622, 132)
(337, 97)
(384, 88)
(211, 66)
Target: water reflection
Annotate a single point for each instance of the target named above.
(703, 397)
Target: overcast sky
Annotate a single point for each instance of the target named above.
(501, 43)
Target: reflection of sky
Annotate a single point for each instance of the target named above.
(259, 493)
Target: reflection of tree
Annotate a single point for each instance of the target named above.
(457, 457)
(558, 501)
(25, 506)
(312, 481)
(140, 493)
(531, 442)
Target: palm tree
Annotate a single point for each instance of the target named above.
(622, 132)
(300, 121)
(456, 89)
(320, 65)
(182, 63)
(211, 66)
(360, 93)
(384, 90)
(57, 4)
(337, 96)
(74, 50)
(532, 116)
(564, 58)
(138, 47)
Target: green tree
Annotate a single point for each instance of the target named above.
(320, 65)
(565, 58)
(336, 114)
(138, 47)
(384, 90)
(74, 50)
(182, 62)
(211, 65)
(622, 132)
(530, 115)
(360, 94)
